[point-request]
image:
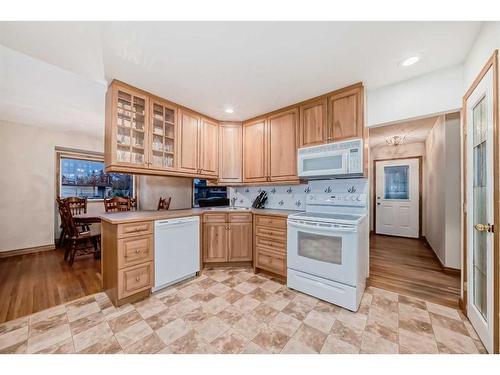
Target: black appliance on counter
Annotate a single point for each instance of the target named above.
(260, 201)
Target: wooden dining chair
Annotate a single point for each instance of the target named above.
(164, 203)
(116, 204)
(77, 206)
(133, 204)
(76, 240)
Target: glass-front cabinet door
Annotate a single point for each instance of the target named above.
(163, 136)
(131, 127)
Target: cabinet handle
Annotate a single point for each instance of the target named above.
(138, 251)
(137, 278)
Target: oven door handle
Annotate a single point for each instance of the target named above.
(324, 227)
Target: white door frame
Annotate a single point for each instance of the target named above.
(420, 161)
(464, 301)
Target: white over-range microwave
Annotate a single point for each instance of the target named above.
(332, 160)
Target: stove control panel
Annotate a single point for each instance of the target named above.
(337, 199)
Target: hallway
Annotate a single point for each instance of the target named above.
(407, 266)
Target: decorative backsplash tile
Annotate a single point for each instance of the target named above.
(293, 197)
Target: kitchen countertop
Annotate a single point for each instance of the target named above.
(135, 216)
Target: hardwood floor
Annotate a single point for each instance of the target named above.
(408, 266)
(34, 282)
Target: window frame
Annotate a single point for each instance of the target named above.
(62, 153)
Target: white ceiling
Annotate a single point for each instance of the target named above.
(415, 131)
(254, 67)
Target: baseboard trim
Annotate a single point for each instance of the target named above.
(453, 271)
(461, 306)
(27, 250)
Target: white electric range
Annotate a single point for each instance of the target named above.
(328, 248)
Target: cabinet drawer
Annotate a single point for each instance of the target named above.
(214, 218)
(135, 279)
(274, 245)
(134, 229)
(270, 221)
(275, 234)
(271, 261)
(239, 217)
(135, 250)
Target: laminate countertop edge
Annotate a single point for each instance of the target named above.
(137, 216)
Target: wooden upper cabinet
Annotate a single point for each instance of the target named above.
(189, 124)
(313, 120)
(282, 134)
(230, 152)
(127, 122)
(255, 151)
(209, 147)
(163, 136)
(346, 114)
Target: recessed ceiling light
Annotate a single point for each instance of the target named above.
(229, 110)
(410, 61)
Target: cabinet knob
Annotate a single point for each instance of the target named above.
(138, 251)
(137, 278)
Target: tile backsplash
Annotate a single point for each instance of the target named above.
(293, 197)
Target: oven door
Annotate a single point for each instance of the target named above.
(323, 164)
(323, 249)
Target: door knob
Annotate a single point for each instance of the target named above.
(484, 227)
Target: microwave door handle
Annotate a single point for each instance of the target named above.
(321, 227)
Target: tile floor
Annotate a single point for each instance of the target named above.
(234, 311)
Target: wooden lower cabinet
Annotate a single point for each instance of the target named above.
(270, 244)
(227, 237)
(215, 241)
(240, 242)
(127, 261)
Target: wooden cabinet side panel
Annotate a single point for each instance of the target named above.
(215, 242)
(109, 260)
(110, 128)
(255, 151)
(230, 152)
(188, 142)
(283, 145)
(209, 147)
(240, 242)
(313, 123)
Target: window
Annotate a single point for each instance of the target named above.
(396, 182)
(205, 196)
(82, 175)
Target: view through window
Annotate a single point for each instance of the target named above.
(86, 178)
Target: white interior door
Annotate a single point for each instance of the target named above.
(479, 226)
(397, 197)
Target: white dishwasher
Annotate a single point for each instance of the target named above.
(177, 250)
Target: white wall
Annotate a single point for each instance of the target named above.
(423, 96)
(27, 167)
(442, 190)
(487, 41)
(453, 196)
(434, 199)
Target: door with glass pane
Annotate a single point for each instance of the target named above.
(130, 137)
(480, 208)
(397, 197)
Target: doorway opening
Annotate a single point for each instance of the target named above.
(415, 208)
